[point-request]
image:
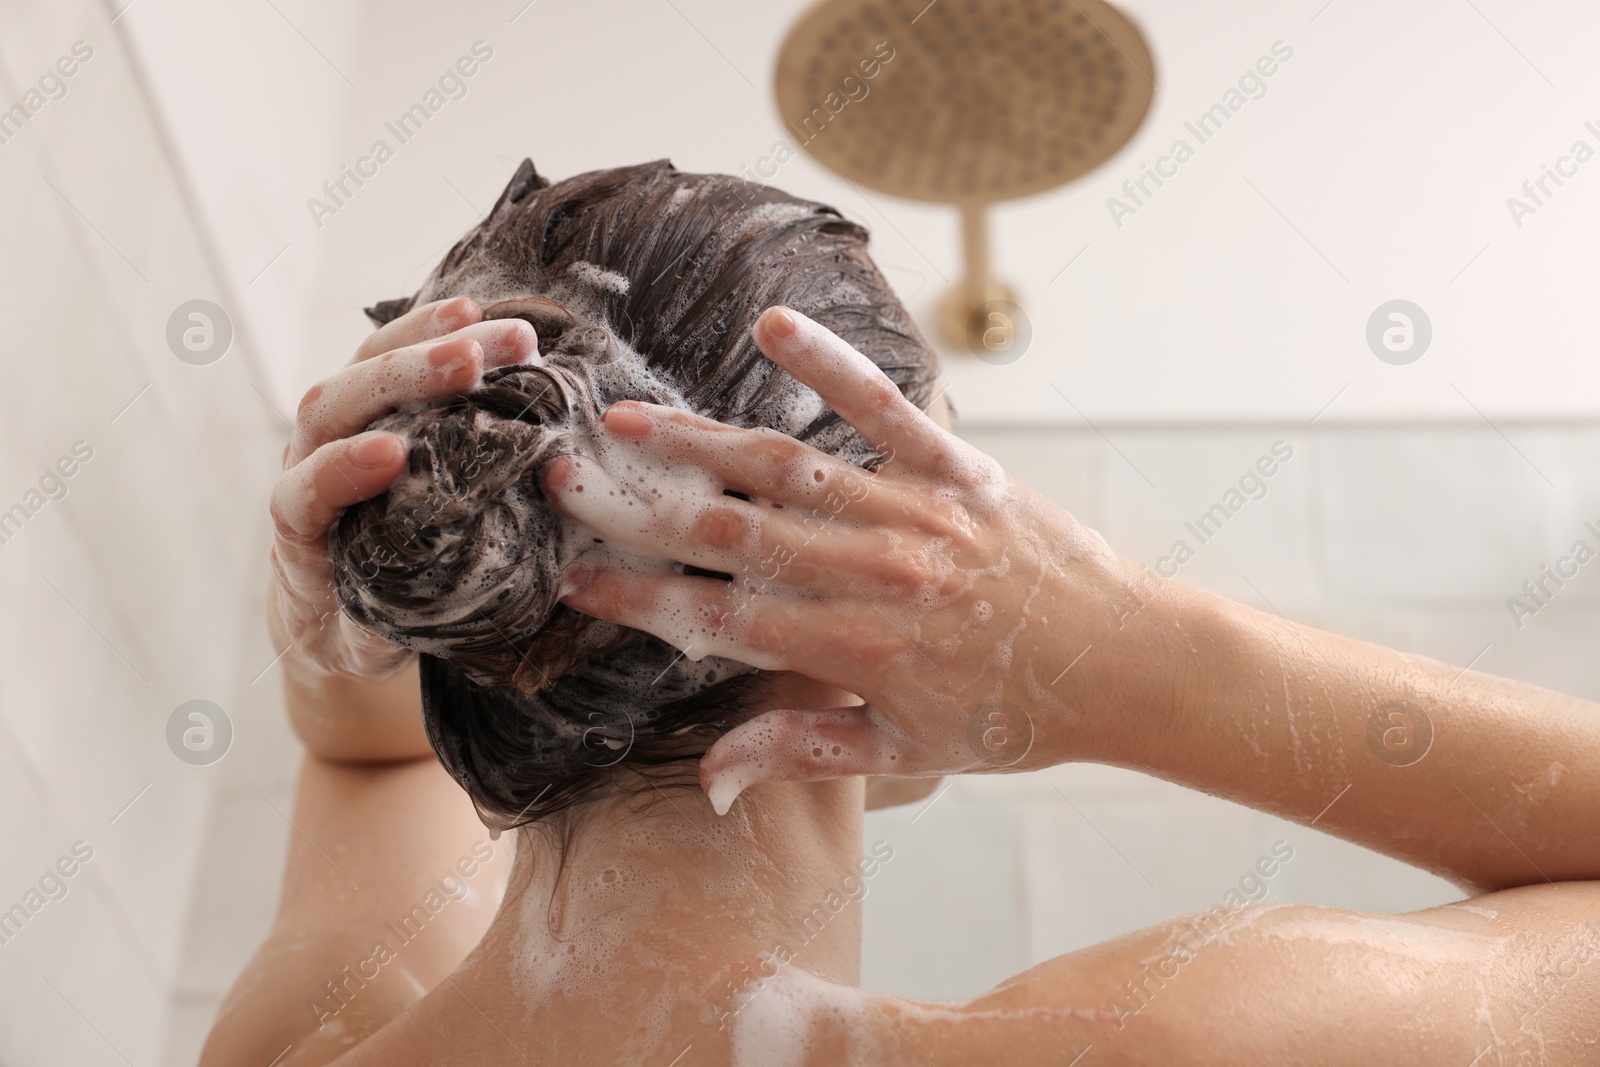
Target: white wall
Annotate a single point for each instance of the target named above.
(123, 597)
(1376, 166)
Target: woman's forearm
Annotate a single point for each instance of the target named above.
(1488, 782)
(347, 719)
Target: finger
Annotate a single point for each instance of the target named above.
(309, 496)
(361, 393)
(708, 530)
(762, 463)
(751, 542)
(698, 616)
(318, 626)
(797, 745)
(765, 625)
(369, 655)
(352, 399)
(852, 385)
(420, 324)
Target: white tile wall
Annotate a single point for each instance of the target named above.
(1445, 514)
(1569, 498)
(1171, 481)
(967, 924)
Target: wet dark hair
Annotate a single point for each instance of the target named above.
(642, 283)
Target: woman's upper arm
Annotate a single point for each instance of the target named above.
(1511, 977)
(391, 880)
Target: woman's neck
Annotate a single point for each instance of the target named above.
(657, 901)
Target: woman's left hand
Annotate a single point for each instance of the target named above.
(944, 593)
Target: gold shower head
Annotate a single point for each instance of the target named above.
(964, 102)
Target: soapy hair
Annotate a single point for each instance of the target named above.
(642, 283)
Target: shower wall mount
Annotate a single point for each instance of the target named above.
(964, 102)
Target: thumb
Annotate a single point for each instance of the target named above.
(797, 745)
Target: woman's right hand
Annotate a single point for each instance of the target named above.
(333, 461)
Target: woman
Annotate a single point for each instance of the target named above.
(499, 517)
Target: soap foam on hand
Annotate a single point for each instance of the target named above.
(643, 500)
(946, 619)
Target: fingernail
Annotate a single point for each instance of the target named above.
(448, 352)
(376, 451)
(517, 341)
(458, 312)
(459, 364)
(723, 793)
(556, 471)
(780, 323)
(626, 421)
(576, 577)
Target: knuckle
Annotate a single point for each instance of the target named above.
(867, 644)
(370, 346)
(290, 508)
(724, 528)
(283, 520)
(774, 453)
(944, 524)
(883, 395)
(769, 632)
(278, 566)
(605, 599)
(973, 469)
(951, 583)
(308, 403)
(277, 498)
(902, 573)
(632, 596)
